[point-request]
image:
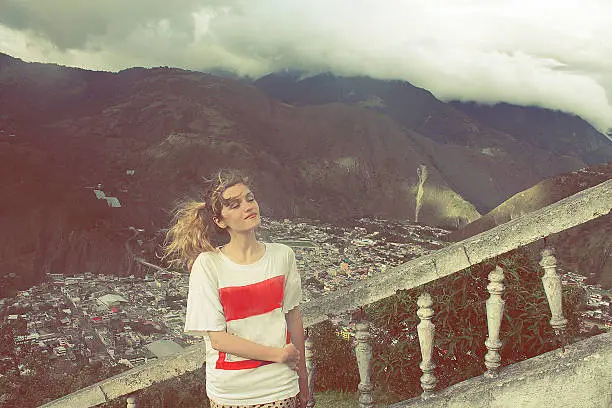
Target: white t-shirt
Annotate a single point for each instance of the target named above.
(249, 301)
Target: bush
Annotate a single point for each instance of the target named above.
(334, 359)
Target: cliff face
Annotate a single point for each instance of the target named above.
(50, 224)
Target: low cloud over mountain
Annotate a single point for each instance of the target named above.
(543, 53)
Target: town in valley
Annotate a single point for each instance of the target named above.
(129, 320)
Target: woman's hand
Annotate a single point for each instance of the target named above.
(290, 356)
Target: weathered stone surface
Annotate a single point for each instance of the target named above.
(86, 397)
(564, 214)
(363, 352)
(133, 380)
(553, 289)
(579, 378)
(495, 312)
(426, 331)
(132, 402)
(311, 368)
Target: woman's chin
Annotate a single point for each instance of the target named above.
(252, 224)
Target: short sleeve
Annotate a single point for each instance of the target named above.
(204, 310)
(293, 283)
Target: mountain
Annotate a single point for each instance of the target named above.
(150, 135)
(176, 126)
(49, 223)
(554, 131)
(585, 248)
(411, 107)
(461, 123)
(534, 143)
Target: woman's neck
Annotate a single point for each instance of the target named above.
(244, 248)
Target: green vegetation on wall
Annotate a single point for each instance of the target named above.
(461, 329)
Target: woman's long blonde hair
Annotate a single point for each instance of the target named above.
(193, 223)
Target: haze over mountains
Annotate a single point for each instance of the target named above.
(326, 148)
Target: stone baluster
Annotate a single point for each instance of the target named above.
(363, 352)
(552, 286)
(310, 367)
(426, 330)
(131, 401)
(495, 312)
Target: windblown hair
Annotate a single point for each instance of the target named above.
(193, 223)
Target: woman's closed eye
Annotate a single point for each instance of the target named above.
(235, 203)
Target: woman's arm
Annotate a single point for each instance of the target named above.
(296, 331)
(229, 343)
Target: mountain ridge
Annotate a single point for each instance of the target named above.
(394, 97)
(172, 127)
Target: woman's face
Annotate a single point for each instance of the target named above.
(240, 211)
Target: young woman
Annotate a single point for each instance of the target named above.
(243, 300)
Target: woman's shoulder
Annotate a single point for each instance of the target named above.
(280, 252)
(205, 267)
(207, 258)
(279, 248)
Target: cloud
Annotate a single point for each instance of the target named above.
(550, 53)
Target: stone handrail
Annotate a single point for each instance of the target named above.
(567, 213)
(564, 214)
(137, 378)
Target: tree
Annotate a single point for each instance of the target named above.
(7, 345)
(335, 362)
(20, 327)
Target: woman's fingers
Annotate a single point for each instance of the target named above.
(290, 354)
(292, 358)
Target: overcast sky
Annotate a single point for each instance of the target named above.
(550, 53)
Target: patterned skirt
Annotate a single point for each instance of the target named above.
(286, 403)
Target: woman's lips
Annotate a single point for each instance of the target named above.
(251, 216)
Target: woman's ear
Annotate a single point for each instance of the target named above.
(219, 223)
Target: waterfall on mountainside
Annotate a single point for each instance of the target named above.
(422, 174)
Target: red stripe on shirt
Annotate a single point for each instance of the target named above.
(240, 302)
(223, 364)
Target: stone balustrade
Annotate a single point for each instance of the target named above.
(426, 330)
(495, 311)
(578, 378)
(572, 211)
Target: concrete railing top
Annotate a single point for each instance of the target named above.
(564, 214)
(137, 378)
